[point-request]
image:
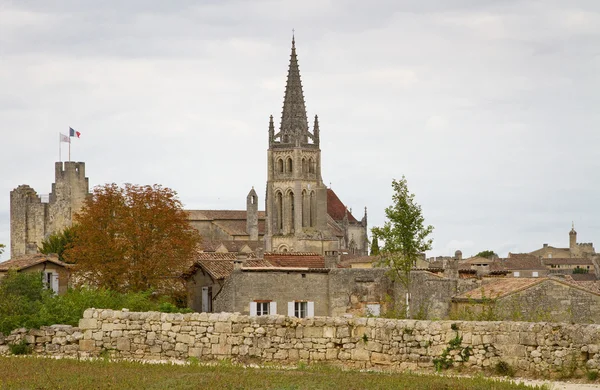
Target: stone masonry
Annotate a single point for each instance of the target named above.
(532, 348)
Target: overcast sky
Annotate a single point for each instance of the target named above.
(489, 107)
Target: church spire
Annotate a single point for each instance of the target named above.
(294, 122)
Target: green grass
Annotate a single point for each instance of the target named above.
(41, 373)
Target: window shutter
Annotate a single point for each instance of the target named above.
(516, 274)
(291, 309)
(535, 274)
(272, 307)
(55, 282)
(253, 309)
(311, 309)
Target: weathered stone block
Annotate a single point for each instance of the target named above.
(88, 323)
(123, 344)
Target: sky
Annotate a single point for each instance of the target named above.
(490, 108)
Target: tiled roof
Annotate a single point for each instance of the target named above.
(336, 208)
(27, 261)
(222, 256)
(238, 228)
(589, 277)
(210, 215)
(335, 229)
(295, 260)
(589, 285)
(476, 260)
(220, 269)
(499, 288)
(521, 263)
(567, 261)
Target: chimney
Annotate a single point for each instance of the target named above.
(332, 259)
(545, 245)
(240, 261)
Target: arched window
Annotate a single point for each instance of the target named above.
(292, 211)
(279, 212)
(311, 166)
(352, 248)
(305, 209)
(280, 165)
(289, 165)
(304, 166)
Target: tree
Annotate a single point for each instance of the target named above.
(58, 242)
(404, 235)
(374, 247)
(133, 238)
(2, 248)
(488, 254)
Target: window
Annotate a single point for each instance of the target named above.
(516, 274)
(51, 281)
(263, 308)
(280, 165)
(534, 274)
(301, 309)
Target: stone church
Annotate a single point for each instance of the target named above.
(301, 213)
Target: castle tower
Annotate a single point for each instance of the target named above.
(296, 201)
(32, 220)
(572, 238)
(252, 215)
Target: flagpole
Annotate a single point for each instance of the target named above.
(69, 145)
(59, 147)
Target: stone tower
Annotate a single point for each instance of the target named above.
(572, 238)
(31, 220)
(296, 201)
(252, 215)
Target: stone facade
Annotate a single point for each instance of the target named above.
(531, 348)
(31, 219)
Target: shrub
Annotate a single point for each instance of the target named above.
(592, 375)
(504, 369)
(21, 348)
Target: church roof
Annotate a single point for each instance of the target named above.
(238, 227)
(336, 209)
(230, 245)
(211, 215)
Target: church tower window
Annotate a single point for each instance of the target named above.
(280, 165)
(290, 168)
(279, 208)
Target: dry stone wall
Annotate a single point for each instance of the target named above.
(353, 342)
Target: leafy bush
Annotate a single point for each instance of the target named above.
(21, 348)
(504, 369)
(25, 302)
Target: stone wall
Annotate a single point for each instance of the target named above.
(531, 348)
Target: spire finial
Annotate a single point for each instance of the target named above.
(293, 38)
(572, 224)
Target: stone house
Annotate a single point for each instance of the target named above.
(55, 273)
(574, 250)
(531, 299)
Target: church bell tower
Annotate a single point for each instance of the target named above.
(296, 201)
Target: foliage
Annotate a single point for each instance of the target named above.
(25, 302)
(27, 372)
(580, 270)
(58, 242)
(446, 359)
(404, 235)
(592, 375)
(133, 238)
(2, 246)
(488, 254)
(20, 348)
(374, 247)
(502, 368)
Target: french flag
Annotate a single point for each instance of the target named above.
(73, 133)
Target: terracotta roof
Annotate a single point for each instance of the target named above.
(27, 261)
(476, 260)
(567, 261)
(520, 263)
(589, 277)
(336, 208)
(210, 215)
(593, 286)
(521, 255)
(238, 228)
(221, 256)
(220, 269)
(500, 288)
(295, 260)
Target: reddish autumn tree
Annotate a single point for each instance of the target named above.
(133, 238)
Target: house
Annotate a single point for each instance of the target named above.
(531, 299)
(55, 273)
(574, 250)
(525, 266)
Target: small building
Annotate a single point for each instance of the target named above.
(55, 273)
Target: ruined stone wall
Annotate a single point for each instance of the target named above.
(531, 348)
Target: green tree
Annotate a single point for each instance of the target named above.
(488, 254)
(133, 238)
(21, 295)
(58, 242)
(2, 248)
(374, 247)
(405, 236)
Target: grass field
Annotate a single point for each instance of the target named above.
(40, 373)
